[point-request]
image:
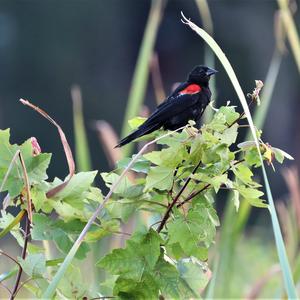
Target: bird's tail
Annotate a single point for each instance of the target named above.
(142, 130)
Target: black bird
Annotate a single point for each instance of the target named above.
(187, 102)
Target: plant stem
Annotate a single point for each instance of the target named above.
(27, 234)
(167, 213)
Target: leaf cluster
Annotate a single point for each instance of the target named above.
(176, 184)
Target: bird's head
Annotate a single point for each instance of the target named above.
(201, 74)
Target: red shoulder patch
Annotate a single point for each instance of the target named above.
(191, 89)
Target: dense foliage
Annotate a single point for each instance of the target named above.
(172, 188)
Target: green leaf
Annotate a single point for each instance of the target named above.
(252, 157)
(9, 227)
(280, 155)
(141, 253)
(36, 166)
(111, 178)
(243, 173)
(229, 135)
(169, 157)
(144, 289)
(34, 265)
(194, 232)
(167, 279)
(62, 233)
(160, 178)
(106, 228)
(141, 165)
(40, 200)
(215, 181)
(194, 275)
(72, 285)
(230, 114)
(136, 122)
(78, 184)
(257, 202)
(12, 224)
(249, 193)
(122, 209)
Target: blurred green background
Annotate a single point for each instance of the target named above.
(46, 46)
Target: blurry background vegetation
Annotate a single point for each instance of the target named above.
(46, 47)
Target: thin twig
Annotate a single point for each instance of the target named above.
(66, 146)
(3, 285)
(167, 213)
(26, 181)
(27, 234)
(23, 283)
(156, 203)
(241, 114)
(8, 172)
(10, 257)
(206, 186)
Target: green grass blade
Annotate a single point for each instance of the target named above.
(141, 73)
(291, 30)
(209, 57)
(227, 248)
(14, 222)
(286, 270)
(82, 154)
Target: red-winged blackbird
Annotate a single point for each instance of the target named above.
(187, 102)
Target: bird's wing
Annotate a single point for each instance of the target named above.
(173, 106)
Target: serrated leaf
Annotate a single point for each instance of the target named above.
(106, 228)
(229, 135)
(243, 173)
(11, 223)
(72, 285)
(36, 166)
(249, 193)
(40, 200)
(169, 157)
(141, 254)
(111, 178)
(141, 165)
(280, 155)
(144, 289)
(136, 122)
(257, 202)
(167, 278)
(230, 114)
(34, 265)
(194, 275)
(62, 233)
(252, 157)
(160, 178)
(193, 232)
(78, 184)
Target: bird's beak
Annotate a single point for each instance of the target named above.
(210, 72)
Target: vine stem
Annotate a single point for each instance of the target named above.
(27, 234)
(28, 220)
(167, 213)
(207, 186)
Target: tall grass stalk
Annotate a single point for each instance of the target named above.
(82, 153)
(291, 30)
(209, 57)
(285, 267)
(231, 233)
(141, 72)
